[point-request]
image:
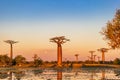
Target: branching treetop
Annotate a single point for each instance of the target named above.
(91, 51)
(11, 41)
(59, 40)
(76, 54)
(103, 49)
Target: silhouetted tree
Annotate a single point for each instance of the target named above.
(112, 31)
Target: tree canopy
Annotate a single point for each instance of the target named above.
(19, 59)
(112, 31)
(4, 59)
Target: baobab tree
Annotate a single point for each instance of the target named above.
(76, 55)
(59, 40)
(98, 59)
(11, 42)
(94, 57)
(103, 50)
(91, 55)
(89, 58)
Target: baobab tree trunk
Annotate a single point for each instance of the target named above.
(59, 51)
(98, 60)
(103, 57)
(76, 58)
(11, 53)
(92, 58)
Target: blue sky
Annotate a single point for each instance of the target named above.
(33, 22)
(45, 9)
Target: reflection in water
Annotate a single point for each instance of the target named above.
(19, 75)
(103, 74)
(10, 76)
(37, 72)
(64, 74)
(94, 75)
(117, 73)
(3, 75)
(59, 75)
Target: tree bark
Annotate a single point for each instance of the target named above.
(103, 57)
(11, 53)
(59, 55)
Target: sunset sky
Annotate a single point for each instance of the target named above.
(34, 22)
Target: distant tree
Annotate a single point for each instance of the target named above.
(19, 59)
(76, 55)
(11, 42)
(35, 57)
(116, 61)
(112, 31)
(4, 59)
(37, 60)
(103, 50)
(18, 75)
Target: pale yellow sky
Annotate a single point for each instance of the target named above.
(33, 40)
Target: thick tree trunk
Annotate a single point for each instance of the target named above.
(103, 57)
(59, 55)
(11, 53)
(76, 58)
(92, 57)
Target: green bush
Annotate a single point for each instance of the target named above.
(38, 62)
(116, 61)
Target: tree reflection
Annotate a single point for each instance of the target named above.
(103, 75)
(92, 75)
(37, 72)
(117, 73)
(19, 75)
(59, 75)
(4, 75)
(10, 76)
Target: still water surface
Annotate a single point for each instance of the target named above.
(60, 74)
